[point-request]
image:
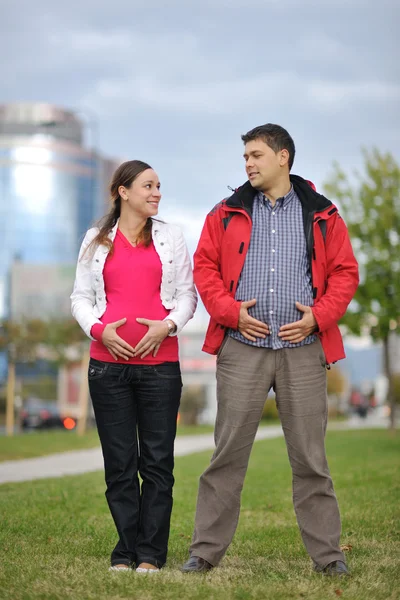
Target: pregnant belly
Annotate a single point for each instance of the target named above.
(132, 331)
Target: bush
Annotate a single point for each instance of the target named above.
(193, 402)
(270, 411)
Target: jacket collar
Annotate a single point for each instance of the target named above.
(312, 201)
(113, 232)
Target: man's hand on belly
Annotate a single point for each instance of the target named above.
(249, 327)
(298, 331)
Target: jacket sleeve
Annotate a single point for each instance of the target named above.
(219, 303)
(83, 298)
(342, 276)
(185, 292)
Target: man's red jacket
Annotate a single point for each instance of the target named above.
(222, 249)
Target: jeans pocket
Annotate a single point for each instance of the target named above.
(168, 370)
(97, 369)
(222, 346)
(321, 353)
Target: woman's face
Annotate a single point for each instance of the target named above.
(143, 196)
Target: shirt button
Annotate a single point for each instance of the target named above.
(271, 290)
(272, 270)
(273, 213)
(273, 250)
(273, 231)
(161, 243)
(271, 312)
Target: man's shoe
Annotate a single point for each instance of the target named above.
(337, 568)
(195, 564)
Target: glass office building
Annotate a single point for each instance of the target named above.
(52, 188)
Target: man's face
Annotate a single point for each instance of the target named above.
(263, 165)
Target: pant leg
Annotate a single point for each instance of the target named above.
(115, 410)
(244, 377)
(302, 404)
(158, 395)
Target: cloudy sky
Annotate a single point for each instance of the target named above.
(176, 83)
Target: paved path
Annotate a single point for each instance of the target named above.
(85, 461)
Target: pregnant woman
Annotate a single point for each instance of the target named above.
(133, 293)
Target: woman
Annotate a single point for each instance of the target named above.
(133, 293)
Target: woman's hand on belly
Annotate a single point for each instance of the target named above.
(151, 341)
(116, 346)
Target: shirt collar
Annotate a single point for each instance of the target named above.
(281, 202)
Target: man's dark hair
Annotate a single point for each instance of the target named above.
(275, 136)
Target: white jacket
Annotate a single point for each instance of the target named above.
(88, 299)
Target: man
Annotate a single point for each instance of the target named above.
(275, 269)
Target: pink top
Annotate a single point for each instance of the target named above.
(132, 280)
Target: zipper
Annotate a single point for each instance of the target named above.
(310, 237)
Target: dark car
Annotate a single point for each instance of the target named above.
(37, 414)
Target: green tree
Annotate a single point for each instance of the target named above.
(58, 341)
(65, 341)
(336, 386)
(20, 340)
(370, 205)
(65, 344)
(396, 387)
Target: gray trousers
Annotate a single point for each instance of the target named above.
(245, 374)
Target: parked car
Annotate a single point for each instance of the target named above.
(39, 414)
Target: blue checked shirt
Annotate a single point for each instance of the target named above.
(276, 271)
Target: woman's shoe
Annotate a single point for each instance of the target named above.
(147, 568)
(119, 568)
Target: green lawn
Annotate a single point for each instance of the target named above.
(40, 443)
(56, 535)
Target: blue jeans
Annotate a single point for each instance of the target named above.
(136, 408)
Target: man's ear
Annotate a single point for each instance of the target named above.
(284, 157)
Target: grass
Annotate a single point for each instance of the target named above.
(41, 443)
(56, 535)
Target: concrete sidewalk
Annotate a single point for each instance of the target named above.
(86, 461)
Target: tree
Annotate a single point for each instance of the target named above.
(20, 340)
(67, 344)
(336, 386)
(58, 341)
(396, 387)
(371, 207)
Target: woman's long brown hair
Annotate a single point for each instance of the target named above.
(124, 175)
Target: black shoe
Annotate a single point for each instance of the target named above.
(337, 568)
(195, 564)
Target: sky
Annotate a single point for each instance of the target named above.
(176, 83)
